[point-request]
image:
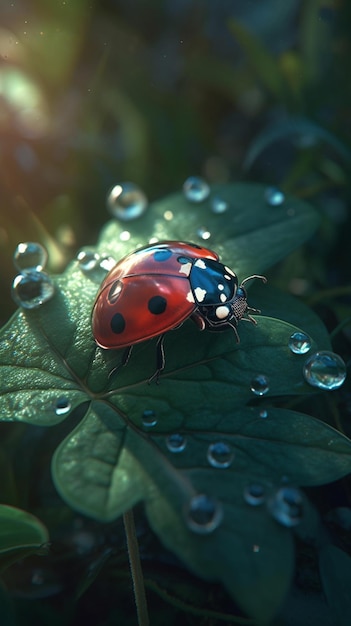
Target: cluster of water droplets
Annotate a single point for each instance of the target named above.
(323, 369)
(93, 264)
(284, 504)
(32, 287)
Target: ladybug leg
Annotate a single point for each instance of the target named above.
(125, 358)
(160, 360)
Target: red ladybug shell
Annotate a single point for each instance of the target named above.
(146, 294)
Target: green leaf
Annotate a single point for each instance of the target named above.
(294, 128)
(335, 571)
(21, 534)
(50, 366)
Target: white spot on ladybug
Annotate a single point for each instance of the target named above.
(220, 287)
(229, 270)
(190, 297)
(227, 277)
(222, 312)
(185, 269)
(200, 294)
(200, 264)
(223, 297)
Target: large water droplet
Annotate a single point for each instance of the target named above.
(219, 206)
(325, 370)
(126, 201)
(148, 418)
(88, 260)
(273, 196)
(31, 289)
(220, 454)
(203, 514)
(286, 506)
(203, 232)
(62, 406)
(30, 256)
(254, 494)
(300, 343)
(196, 189)
(176, 442)
(260, 385)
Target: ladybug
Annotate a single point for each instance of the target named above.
(156, 288)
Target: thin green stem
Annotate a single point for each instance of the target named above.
(135, 569)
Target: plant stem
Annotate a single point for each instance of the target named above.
(135, 568)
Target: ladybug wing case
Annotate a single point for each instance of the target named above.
(136, 308)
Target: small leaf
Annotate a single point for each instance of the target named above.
(20, 534)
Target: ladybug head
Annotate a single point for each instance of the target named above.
(220, 317)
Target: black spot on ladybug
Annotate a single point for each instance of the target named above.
(114, 291)
(162, 255)
(118, 323)
(157, 305)
(183, 260)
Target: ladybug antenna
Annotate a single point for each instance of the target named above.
(263, 278)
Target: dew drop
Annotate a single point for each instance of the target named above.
(88, 260)
(300, 343)
(254, 494)
(148, 418)
(260, 385)
(168, 216)
(263, 413)
(176, 442)
(196, 189)
(30, 256)
(203, 232)
(62, 406)
(203, 514)
(125, 235)
(273, 196)
(126, 201)
(32, 288)
(220, 454)
(219, 206)
(107, 262)
(325, 370)
(286, 506)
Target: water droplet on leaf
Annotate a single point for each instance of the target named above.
(203, 514)
(286, 506)
(32, 289)
(273, 196)
(254, 494)
(220, 454)
(219, 206)
(260, 385)
(263, 413)
(88, 260)
(325, 370)
(148, 418)
(203, 232)
(176, 442)
(127, 201)
(196, 189)
(62, 406)
(30, 256)
(300, 343)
